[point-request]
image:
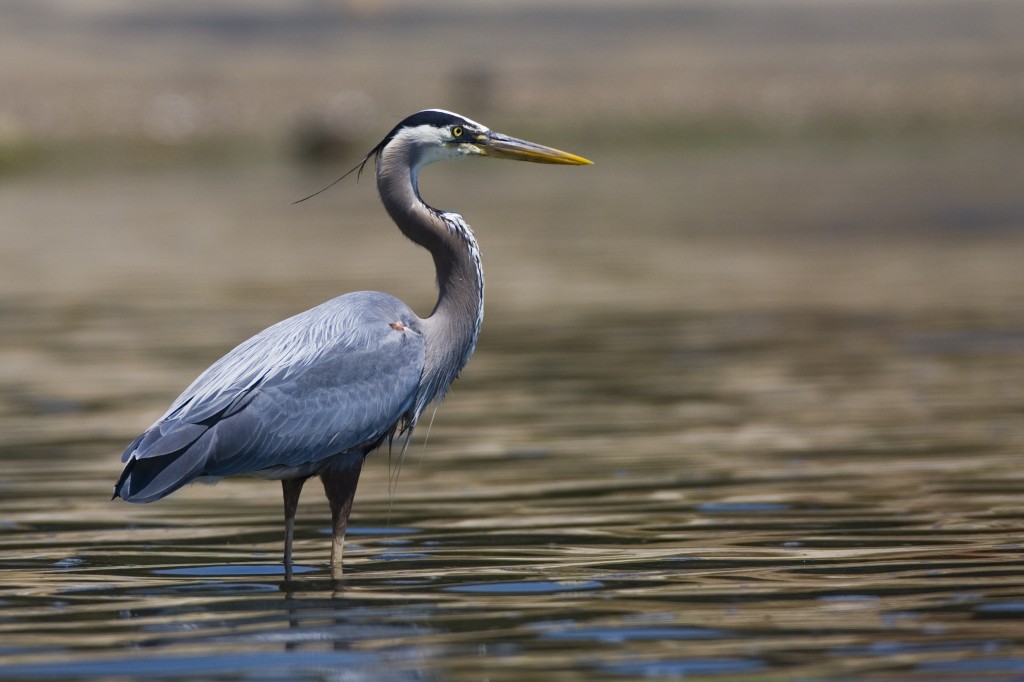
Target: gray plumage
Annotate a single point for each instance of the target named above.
(316, 393)
(332, 380)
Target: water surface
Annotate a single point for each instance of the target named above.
(786, 453)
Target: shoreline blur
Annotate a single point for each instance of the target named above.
(230, 76)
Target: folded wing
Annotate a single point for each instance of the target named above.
(335, 379)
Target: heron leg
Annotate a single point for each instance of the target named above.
(292, 488)
(340, 481)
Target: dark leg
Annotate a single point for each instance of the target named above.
(340, 481)
(292, 489)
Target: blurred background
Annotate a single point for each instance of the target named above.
(712, 122)
(793, 160)
(793, 155)
(797, 262)
(833, 118)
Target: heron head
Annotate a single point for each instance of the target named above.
(435, 135)
(438, 134)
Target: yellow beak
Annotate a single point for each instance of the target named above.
(504, 147)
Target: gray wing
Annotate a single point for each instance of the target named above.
(334, 379)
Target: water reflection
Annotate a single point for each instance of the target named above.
(665, 577)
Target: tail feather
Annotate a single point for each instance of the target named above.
(167, 438)
(155, 472)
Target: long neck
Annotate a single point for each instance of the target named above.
(452, 328)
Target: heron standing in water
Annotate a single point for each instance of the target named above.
(315, 394)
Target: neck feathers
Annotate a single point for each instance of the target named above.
(452, 329)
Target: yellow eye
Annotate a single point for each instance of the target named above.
(457, 131)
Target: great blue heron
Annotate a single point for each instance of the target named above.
(313, 395)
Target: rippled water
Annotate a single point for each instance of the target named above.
(747, 459)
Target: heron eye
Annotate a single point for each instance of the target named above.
(457, 131)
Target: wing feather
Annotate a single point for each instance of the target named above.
(333, 379)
